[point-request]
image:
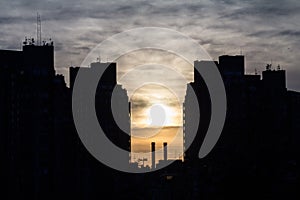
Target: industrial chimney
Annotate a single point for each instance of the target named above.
(153, 154)
(165, 151)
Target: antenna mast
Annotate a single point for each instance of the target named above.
(38, 30)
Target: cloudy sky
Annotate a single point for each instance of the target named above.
(264, 30)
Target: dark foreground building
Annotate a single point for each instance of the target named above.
(27, 119)
(256, 155)
(42, 155)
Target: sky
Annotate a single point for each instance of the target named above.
(264, 31)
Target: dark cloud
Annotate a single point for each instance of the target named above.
(139, 103)
(293, 33)
(275, 33)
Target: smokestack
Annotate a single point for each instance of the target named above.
(153, 154)
(165, 151)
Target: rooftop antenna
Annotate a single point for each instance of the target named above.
(38, 29)
(278, 67)
(271, 61)
(143, 161)
(99, 58)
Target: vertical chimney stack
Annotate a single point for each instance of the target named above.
(153, 154)
(165, 151)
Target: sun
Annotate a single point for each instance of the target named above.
(159, 115)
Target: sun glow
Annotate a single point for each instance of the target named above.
(150, 109)
(156, 116)
(159, 115)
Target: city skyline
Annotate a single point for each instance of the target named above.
(260, 109)
(161, 99)
(142, 99)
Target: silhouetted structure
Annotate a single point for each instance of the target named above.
(165, 146)
(43, 156)
(93, 172)
(153, 155)
(196, 94)
(254, 154)
(27, 120)
(108, 89)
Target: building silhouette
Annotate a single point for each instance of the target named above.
(106, 90)
(43, 156)
(255, 154)
(116, 127)
(202, 100)
(27, 119)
